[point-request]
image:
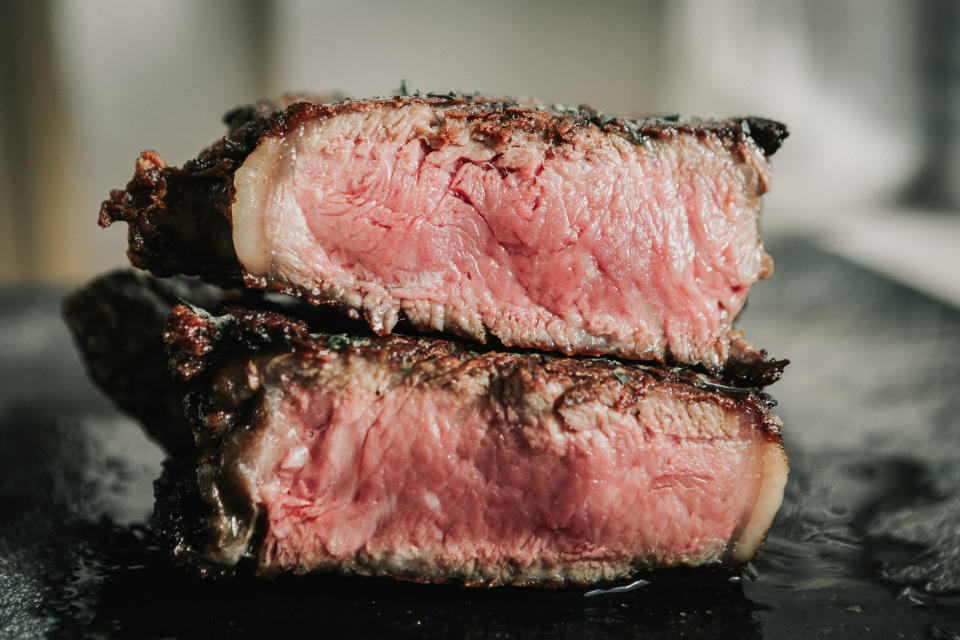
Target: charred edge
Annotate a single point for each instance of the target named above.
(203, 509)
(178, 218)
(752, 370)
(192, 335)
(116, 323)
(190, 339)
(499, 119)
(180, 521)
(768, 134)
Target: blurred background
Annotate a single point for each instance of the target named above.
(869, 534)
(870, 89)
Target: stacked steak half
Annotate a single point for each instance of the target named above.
(590, 413)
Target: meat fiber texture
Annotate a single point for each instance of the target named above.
(548, 228)
(422, 459)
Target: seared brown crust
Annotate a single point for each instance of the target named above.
(499, 119)
(747, 366)
(180, 514)
(199, 344)
(176, 217)
(116, 322)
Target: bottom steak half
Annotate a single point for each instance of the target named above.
(418, 458)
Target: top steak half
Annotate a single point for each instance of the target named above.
(550, 229)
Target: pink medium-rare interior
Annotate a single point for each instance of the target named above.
(416, 482)
(598, 246)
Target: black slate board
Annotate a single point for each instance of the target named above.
(867, 543)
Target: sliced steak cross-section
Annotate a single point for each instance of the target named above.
(298, 451)
(551, 229)
(420, 459)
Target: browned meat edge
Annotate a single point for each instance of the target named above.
(116, 322)
(198, 342)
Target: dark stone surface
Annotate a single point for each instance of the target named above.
(866, 544)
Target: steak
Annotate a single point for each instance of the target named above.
(116, 322)
(294, 450)
(548, 228)
(422, 459)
